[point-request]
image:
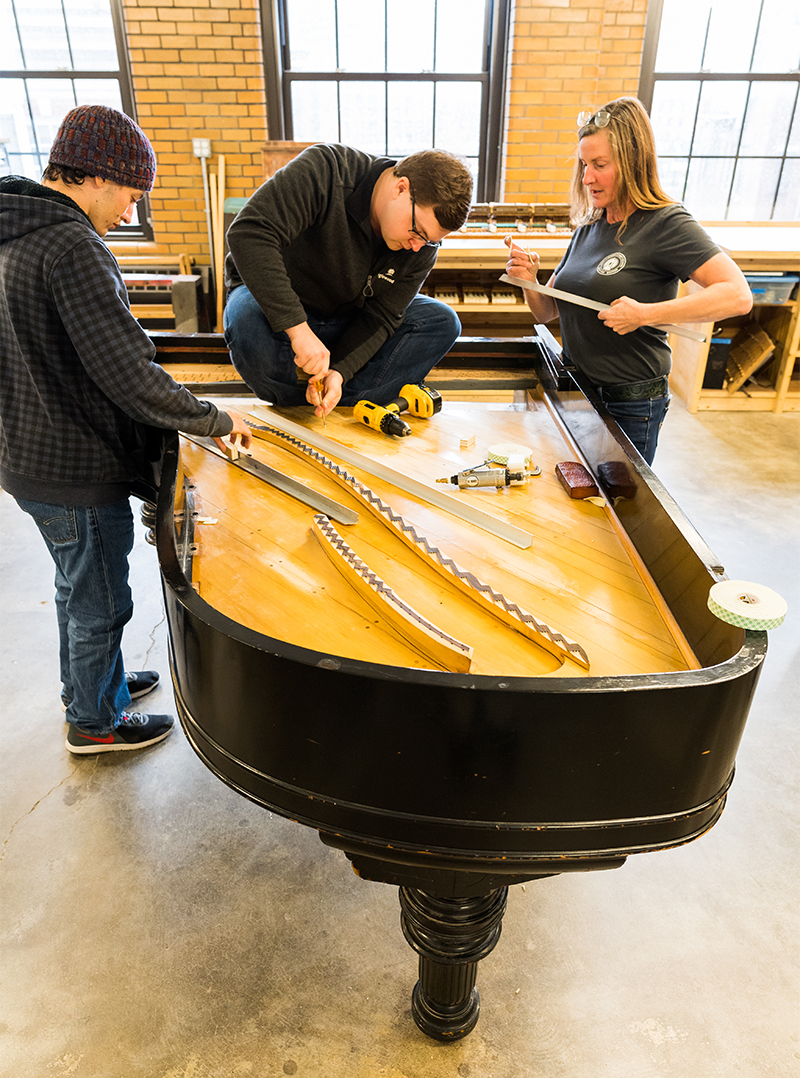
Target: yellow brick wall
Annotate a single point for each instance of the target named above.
(197, 72)
(567, 55)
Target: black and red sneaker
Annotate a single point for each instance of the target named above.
(133, 731)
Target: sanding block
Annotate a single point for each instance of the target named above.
(576, 480)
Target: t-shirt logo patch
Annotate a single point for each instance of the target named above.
(612, 264)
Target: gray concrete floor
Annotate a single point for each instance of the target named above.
(154, 924)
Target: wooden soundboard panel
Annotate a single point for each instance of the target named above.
(259, 563)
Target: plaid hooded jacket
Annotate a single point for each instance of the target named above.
(80, 395)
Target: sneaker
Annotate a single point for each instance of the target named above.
(133, 731)
(140, 683)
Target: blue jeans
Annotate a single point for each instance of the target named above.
(90, 547)
(265, 359)
(641, 421)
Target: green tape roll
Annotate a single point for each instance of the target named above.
(750, 606)
(509, 455)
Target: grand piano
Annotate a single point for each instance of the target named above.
(454, 784)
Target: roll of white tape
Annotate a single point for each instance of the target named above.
(509, 455)
(750, 606)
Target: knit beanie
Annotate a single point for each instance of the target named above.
(100, 141)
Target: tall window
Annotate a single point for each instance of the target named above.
(391, 76)
(721, 78)
(54, 55)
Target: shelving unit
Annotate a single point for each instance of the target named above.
(775, 388)
(478, 261)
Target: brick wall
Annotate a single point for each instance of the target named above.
(568, 55)
(197, 72)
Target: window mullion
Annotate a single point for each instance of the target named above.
(705, 36)
(336, 45)
(785, 153)
(755, 35)
(67, 36)
(19, 34)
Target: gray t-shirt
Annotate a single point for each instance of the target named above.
(658, 248)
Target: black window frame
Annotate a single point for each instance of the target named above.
(649, 77)
(142, 232)
(279, 77)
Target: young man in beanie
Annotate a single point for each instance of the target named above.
(82, 405)
(327, 259)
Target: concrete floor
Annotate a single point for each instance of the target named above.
(157, 925)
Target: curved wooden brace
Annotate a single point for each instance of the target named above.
(507, 611)
(423, 634)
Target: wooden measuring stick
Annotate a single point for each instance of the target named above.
(592, 304)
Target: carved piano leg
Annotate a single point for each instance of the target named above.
(451, 935)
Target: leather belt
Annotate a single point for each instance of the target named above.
(635, 391)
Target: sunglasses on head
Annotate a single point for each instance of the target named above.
(600, 118)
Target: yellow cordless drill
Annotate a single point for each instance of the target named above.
(419, 400)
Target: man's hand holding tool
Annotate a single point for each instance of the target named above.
(325, 393)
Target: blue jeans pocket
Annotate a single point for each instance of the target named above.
(57, 523)
(641, 421)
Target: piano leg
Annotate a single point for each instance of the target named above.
(451, 935)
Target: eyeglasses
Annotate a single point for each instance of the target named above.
(413, 230)
(600, 118)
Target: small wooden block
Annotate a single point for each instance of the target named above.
(467, 443)
(576, 480)
(616, 479)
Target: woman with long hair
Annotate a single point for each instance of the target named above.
(631, 247)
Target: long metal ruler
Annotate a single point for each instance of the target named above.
(458, 508)
(592, 304)
(335, 510)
